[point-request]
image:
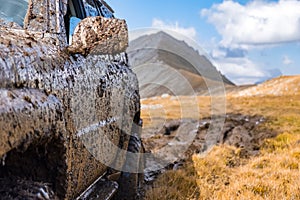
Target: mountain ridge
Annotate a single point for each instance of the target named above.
(152, 52)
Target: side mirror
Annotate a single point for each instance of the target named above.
(99, 35)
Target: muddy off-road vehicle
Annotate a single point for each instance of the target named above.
(69, 103)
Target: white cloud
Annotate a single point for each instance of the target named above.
(240, 70)
(286, 60)
(217, 53)
(188, 32)
(256, 23)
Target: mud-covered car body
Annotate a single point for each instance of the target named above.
(64, 108)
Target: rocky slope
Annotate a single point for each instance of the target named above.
(283, 85)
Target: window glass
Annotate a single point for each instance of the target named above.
(106, 12)
(90, 8)
(74, 21)
(13, 10)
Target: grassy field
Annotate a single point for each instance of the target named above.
(224, 173)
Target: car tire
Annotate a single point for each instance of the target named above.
(131, 184)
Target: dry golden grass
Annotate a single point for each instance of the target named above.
(223, 173)
(174, 108)
(178, 184)
(268, 176)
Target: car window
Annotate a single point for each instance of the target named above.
(74, 21)
(90, 8)
(106, 12)
(13, 10)
(97, 8)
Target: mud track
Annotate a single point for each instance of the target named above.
(242, 131)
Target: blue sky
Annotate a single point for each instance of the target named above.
(249, 41)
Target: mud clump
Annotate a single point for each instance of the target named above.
(241, 131)
(105, 36)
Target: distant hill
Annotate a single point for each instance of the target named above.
(165, 65)
(270, 74)
(283, 85)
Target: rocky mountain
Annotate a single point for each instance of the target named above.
(164, 64)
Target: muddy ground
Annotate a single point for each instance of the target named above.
(242, 131)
